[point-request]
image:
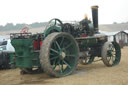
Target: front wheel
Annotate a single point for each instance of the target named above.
(59, 54)
(111, 54)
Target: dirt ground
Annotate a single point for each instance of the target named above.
(94, 74)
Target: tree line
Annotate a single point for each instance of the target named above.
(11, 26)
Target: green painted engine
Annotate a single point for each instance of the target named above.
(61, 46)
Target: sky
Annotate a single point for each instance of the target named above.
(30, 11)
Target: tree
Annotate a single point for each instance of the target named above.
(8, 26)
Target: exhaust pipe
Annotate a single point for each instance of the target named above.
(95, 17)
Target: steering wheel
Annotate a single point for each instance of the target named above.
(53, 22)
(54, 25)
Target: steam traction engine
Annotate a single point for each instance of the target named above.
(57, 50)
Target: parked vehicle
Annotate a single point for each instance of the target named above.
(6, 50)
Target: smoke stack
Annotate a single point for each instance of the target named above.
(95, 17)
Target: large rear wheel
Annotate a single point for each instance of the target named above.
(59, 54)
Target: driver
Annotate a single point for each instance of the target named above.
(84, 24)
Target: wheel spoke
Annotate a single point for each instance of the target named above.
(109, 60)
(110, 54)
(68, 46)
(66, 63)
(54, 45)
(55, 64)
(53, 58)
(70, 55)
(61, 41)
(51, 54)
(60, 67)
(58, 45)
(54, 51)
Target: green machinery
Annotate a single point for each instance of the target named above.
(61, 46)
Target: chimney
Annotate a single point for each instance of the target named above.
(95, 17)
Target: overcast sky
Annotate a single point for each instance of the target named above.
(29, 11)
